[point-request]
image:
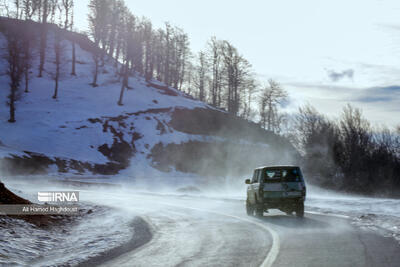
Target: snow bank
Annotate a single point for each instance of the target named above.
(24, 244)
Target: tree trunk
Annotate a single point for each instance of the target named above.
(73, 59)
(43, 41)
(151, 70)
(269, 115)
(124, 84)
(27, 64)
(117, 53)
(56, 87)
(57, 73)
(96, 70)
(121, 95)
(43, 37)
(12, 104)
(26, 79)
(57, 62)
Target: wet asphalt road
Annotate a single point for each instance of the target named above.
(195, 231)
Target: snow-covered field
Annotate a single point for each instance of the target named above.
(60, 128)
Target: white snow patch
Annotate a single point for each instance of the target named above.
(24, 244)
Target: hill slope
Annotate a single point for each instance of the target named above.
(157, 128)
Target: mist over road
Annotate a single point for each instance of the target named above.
(198, 231)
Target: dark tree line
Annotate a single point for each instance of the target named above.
(348, 154)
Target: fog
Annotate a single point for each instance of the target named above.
(179, 218)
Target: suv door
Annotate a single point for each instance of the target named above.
(250, 189)
(255, 187)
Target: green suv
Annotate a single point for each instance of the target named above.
(276, 187)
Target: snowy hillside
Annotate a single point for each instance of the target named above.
(85, 131)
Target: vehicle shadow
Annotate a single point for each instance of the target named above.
(294, 222)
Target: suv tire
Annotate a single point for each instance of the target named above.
(300, 210)
(249, 208)
(259, 211)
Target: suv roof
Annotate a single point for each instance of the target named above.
(277, 166)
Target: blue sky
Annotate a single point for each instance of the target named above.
(326, 53)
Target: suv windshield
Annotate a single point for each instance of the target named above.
(283, 174)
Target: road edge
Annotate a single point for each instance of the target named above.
(142, 235)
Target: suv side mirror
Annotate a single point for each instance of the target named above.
(247, 181)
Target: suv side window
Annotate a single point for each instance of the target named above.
(255, 177)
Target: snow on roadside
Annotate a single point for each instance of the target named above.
(379, 214)
(24, 244)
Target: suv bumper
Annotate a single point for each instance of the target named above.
(275, 203)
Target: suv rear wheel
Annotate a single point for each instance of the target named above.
(259, 211)
(300, 210)
(249, 208)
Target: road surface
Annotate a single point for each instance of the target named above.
(198, 231)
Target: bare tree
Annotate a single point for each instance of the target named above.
(215, 54)
(45, 9)
(189, 78)
(159, 54)
(249, 91)
(168, 33)
(73, 69)
(19, 10)
(58, 52)
(237, 73)
(201, 76)
(149, 50)
(120, 31)
(184, 43)
(29, 39)
(356, 141)
(127, 33)
(15, 62)
(98, 16)
(272, 96)
(29, 7)
(68, 6)
(124, 83)
(5, 8)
